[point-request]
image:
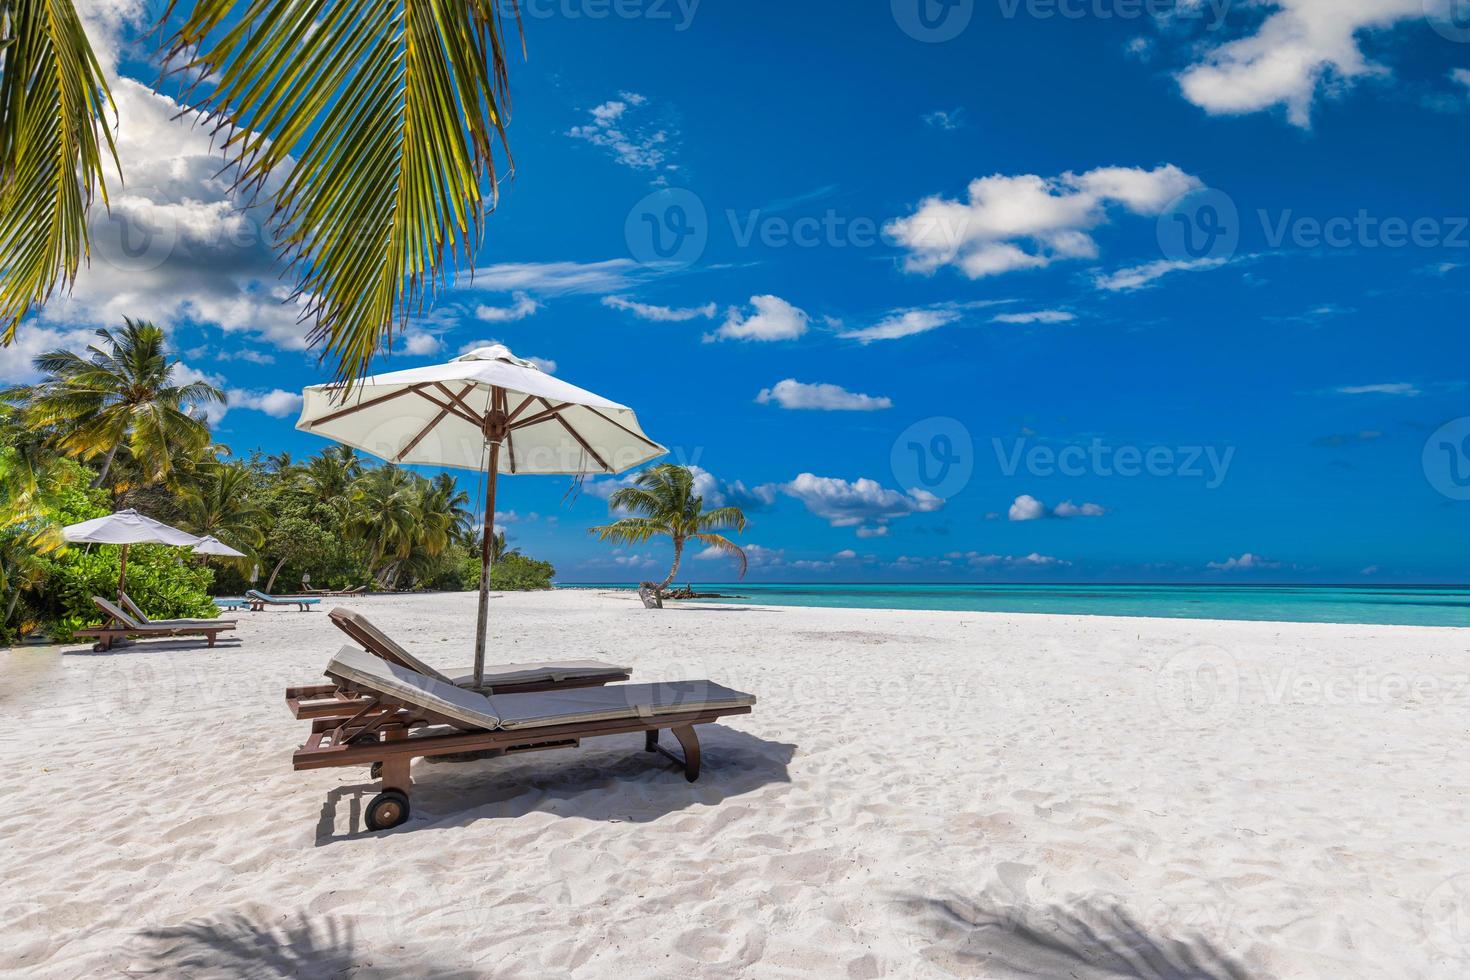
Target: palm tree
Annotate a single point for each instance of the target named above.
(663, 503)
(372, 127)
(329, 475)
(122, 395)
(220, 503)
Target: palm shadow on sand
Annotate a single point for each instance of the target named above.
(1086, 941)
(612, 779)
(235, 945)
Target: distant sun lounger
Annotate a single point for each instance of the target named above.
(408, 715)
(259, 600)
(118, 625)
(126, 601)
(335, 593)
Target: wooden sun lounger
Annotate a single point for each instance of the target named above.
(120, 626)
(128, 604)
(406, 715)
(330, 701)
(259, 600)
(335, 593)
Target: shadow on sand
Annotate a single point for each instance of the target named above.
(1086, 941)
(155, 646)
(237, 946)
(615, 781)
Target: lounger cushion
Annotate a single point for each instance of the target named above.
(614, 703)
(548, 672)
(271, 600)
(465, 708)
(377, 638)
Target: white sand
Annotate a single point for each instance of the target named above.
(917, 794)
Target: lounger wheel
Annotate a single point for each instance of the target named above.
(387, 810)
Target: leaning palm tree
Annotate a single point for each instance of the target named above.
(663, 504)
(370, 126)
(122, 394)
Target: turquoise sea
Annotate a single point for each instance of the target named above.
(1388, 605)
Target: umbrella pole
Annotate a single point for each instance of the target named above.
(486, 556)
(122, 577)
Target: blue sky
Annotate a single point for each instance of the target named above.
(1042, 291)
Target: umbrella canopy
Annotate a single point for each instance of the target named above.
(127, 527)
(210, 545)
(487, 410)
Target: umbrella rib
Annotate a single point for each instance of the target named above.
(477, 423)
(519, 409)
(367, 404)
(556, 414)
(635, 435)
(540, 417)
(413, 443)
(459, 399)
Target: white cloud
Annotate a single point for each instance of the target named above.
(276, 403)
(420, 343)
(522, 306)
(715, 491)
(1301, 48)
(946, 119)
(1461, 76)
(1068, 509)
(1027, 508)
(31, 340)
(660, 314)
(794, 394)
(860, 503)
(1140, 276)
(1028, 221)
(1037, 316)
(903, 323)
(1245, 562)
(554, 278)
(615, 127)
(545, 364)
(773, 319)
(981, 560)
(881, 531)
(1395, 388)
(846, 554)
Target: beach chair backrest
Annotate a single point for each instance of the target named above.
(127, 603)
(461, 708)
(261, 596)
(380, 643)
(111, 610)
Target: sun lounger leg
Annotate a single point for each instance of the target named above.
(689, 742)
(650, 740)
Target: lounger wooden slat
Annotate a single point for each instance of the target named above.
(403, 715)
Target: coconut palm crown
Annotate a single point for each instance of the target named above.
(662, 503)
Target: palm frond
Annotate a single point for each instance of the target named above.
(721, 543)
(385, 112)
(722, 518)
(630, 530)
(53, 139)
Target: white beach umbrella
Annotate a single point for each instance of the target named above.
(490, 411)
(211, 545)
(127, 528)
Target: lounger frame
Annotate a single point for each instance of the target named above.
(387, 734)
(259, 600)
(336, 701)
(114, 628)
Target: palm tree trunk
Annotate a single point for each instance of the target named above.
(270, 582)
(678, 554)
(106, 466)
